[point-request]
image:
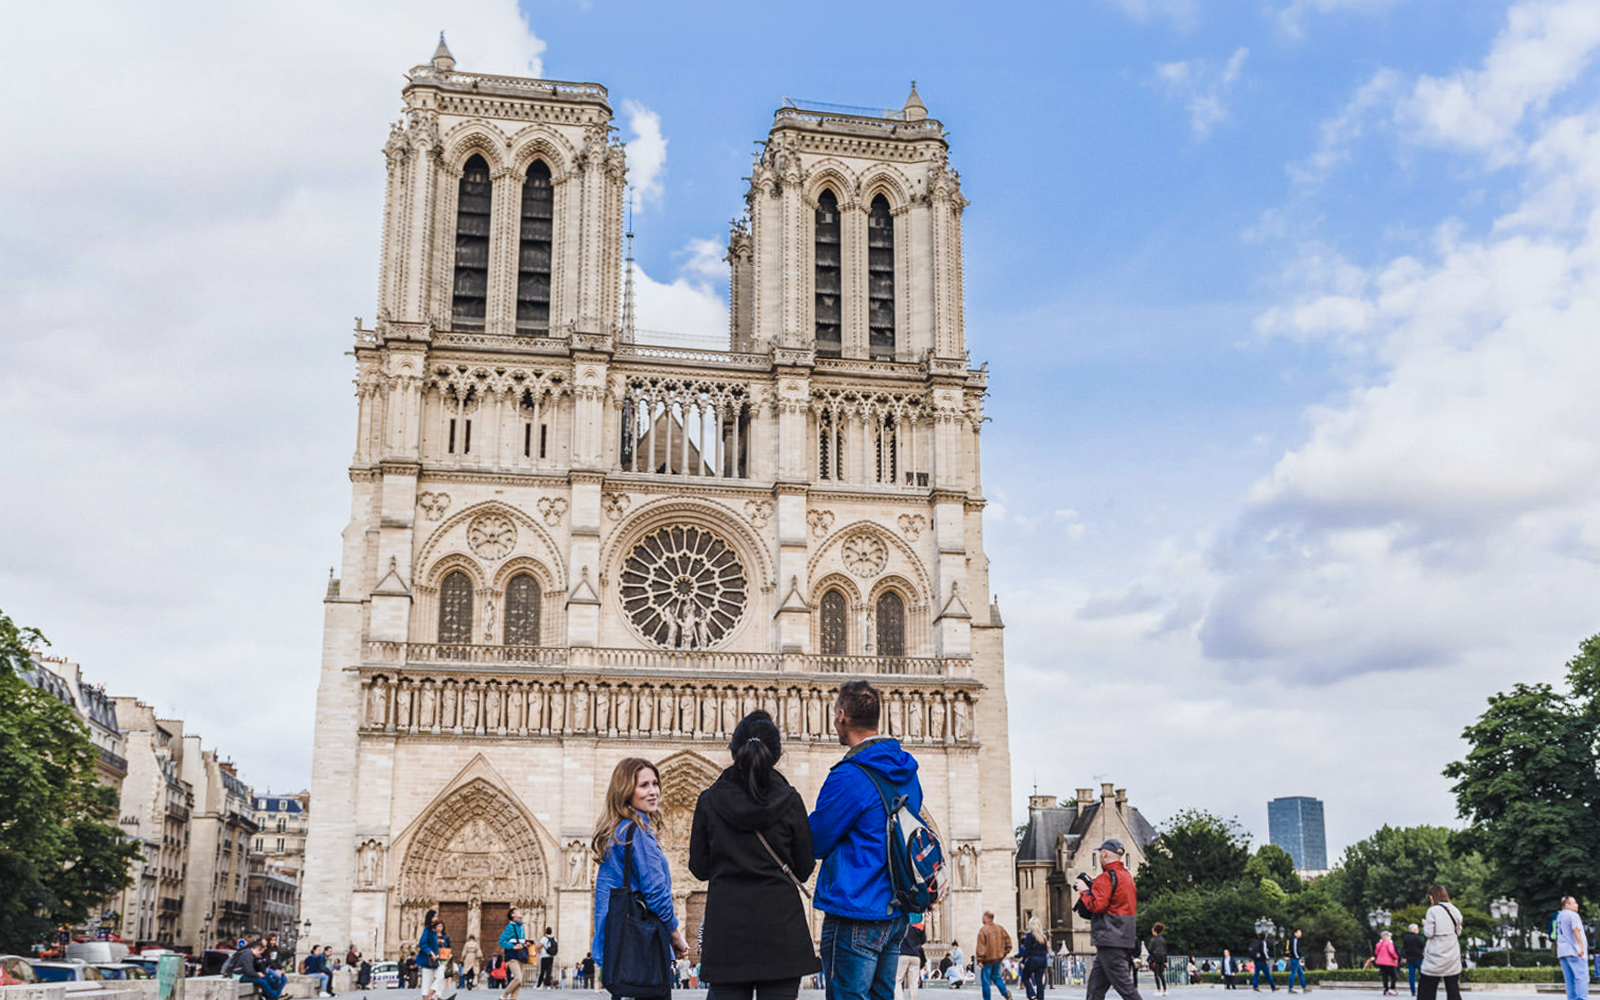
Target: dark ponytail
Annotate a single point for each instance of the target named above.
(756, 747)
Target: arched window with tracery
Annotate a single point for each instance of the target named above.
(533, 260)
(891, 620)
(827, 278)
(880, 281)
(455, 608)
(835, 637)
(522, 611)
(471, 285)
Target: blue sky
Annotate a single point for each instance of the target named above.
(1289, 305)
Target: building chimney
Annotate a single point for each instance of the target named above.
(1105, 791)
(1037, 802)
(1122, 800)
(1085, 798)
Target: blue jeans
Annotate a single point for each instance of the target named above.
(1262, 968)
(265, 985)
(1575, 971)
(1296, 969)
(1411, 974)
(993, 972)
(860, 957)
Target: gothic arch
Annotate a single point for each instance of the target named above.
(684, 775)
(912, 568)
(834, 176)
(454, 561)
(885, 179)
(542, 143)
(474, 843)
(682, 510)
(525, 564)
(544, 549)
(469, 138)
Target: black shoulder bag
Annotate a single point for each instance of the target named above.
(635, 962)
(1083, 911)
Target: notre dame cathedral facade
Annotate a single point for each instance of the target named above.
(566, 547)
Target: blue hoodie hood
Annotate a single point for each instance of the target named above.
(849, 830)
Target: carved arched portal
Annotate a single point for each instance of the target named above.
(474, 854)
(684, 776)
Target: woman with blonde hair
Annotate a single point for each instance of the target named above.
(627, 826)
(1034, 950)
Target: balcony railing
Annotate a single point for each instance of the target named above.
(112, 760)
(663, 660)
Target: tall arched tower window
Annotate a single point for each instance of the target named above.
(471, 286)
(891, 624)
(829, 336)
(835, 639)
(455, 608)
(880, 281)
(533, 261)
(522, 611)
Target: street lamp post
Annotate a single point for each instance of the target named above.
(1505, 910)
(1380, 919)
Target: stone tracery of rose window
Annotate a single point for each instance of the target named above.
(683, 588)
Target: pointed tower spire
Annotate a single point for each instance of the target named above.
(627, 286)
(915, 110)
(443, 61)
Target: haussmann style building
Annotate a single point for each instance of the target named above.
(566, 547)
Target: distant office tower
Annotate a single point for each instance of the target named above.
(1295, 824)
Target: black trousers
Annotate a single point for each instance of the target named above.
(545, 962)
(1390, 975)
(769, 989)
(1113, 969)
(1428, 987)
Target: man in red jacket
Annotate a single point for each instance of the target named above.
(1112, 901)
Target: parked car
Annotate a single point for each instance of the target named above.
(96, 952)
(121, 970)
(212, 961)
(16, 971)
(386, 975)
(66, 972)
(146, 962)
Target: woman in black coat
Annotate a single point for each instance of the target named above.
(755, 939)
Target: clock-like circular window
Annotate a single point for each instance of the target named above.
(683, 588)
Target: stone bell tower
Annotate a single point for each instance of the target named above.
(566, 547)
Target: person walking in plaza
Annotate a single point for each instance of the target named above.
(908, 973)
(1112, 902)
(862, 929)
(1412, 944)
(547, 959)
(994, 944)
(1156, 957)
(1034, 951)
(1441, 958)
(1230, 969)
(1387, 959)
(1261, 956)
(632, 808)
(1297, 967)
(750, 842)
(1572, 949)
(514, 950)
(428, 963)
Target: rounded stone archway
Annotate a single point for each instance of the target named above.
(475, 853)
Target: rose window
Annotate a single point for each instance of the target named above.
(683, 588)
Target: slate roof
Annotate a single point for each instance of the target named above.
(1046, 825)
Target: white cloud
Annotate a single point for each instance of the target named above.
(688, 311)
(647, 153)
(1291, 17)
(188, 235)
(1183, 14)
(1336, 134)
(1543, 50)
(1203, 88)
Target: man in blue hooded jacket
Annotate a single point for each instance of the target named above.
(863, 928)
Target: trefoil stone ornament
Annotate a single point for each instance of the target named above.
(759, 512)
(821, 522)
(911, 525)
(615, 505)
(553, 509)
(433, 504)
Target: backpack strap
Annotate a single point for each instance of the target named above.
(892, 797)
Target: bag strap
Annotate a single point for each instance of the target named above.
(783, 864)
(889, 804)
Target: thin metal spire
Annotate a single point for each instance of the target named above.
(627, 287)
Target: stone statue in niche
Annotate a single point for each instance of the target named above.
(447, 706)
(936, 719)
(967, 866)
(469, 708)
(488, 620)
(558, 708)
(370, 863)
(961, 713)
(580, 709)
(686, 712)
(624, 710)
(515, 700)
(491, 708)
(814, 714)
(402, 706)
(377, 703)
(914, 719)
(427, 704)
(791, 715)
(647, 711)
(577, 864)
(602, 710)
(708, 713)
(666, 711)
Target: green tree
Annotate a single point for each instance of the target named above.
(1530, 786)
(60, 853)
(1394, 866)
(1273, 863)
(1197, 849)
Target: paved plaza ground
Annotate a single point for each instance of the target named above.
(935, 993)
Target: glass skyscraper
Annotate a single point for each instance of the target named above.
(1295, 824)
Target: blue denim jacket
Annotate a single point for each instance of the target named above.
(653, 878)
